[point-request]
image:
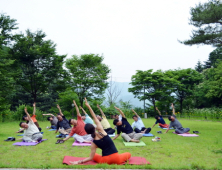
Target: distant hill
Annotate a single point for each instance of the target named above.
(125, 95)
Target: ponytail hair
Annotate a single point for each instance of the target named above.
(90, 129)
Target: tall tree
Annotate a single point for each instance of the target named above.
(88, 75)
(199, 67)
(152, 86)
(7, 25)
(206, 17)
(38, 62)
(187, 79)
(112, 93)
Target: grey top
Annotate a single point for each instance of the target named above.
(175, 124)
(54, 121)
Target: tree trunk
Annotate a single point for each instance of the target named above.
(181, 106)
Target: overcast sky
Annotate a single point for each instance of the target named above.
(130, 34)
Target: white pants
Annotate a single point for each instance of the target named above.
(81, 139)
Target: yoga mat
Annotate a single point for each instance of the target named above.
(23, 134)
(81, 144)
(165, 128)
(112, 135)
(28, 143)
(181, 134)
(188, 135)
(132, 161)
(148, 134)
(52, 130)
(141, 143)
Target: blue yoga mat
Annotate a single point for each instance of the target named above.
(148, 134)
(52, 130)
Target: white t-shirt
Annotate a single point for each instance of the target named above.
(120, 117)
(138, 124)
(32, 128)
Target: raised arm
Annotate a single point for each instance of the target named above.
(173, 108)
(158, 111)
(26, 112)
(59, 110)
(49, 114)
(34, 109)
(98, 124)
(83, 110)
(101, 111)
(120, 111)
(135, 113)
(77, 109)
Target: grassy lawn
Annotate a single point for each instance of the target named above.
(173, 152)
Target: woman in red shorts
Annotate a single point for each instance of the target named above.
(102, 140)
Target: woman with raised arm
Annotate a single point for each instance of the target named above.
(101, 140)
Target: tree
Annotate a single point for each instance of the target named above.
(152, 86)
(206, 17)
(7, 25)
(199, 67)
(113, 93)
(187, 79)
(88, 76)
(38, 62)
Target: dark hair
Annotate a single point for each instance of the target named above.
(156, 117)
(70, 121)
(48, 118)
(90, 129)
(21, 123)
(169, 117)
(23, 118)
(134, 116)
(116, 115)
(115, 121)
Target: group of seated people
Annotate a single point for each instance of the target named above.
(97, 133)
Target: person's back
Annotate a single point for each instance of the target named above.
(175, 124)
(54, 120)
(32, 129)
(106, 145)
(88, 120)
(125, 127)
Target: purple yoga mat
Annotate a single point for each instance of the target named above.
(188, 135)
(81, 144)
(28, 143)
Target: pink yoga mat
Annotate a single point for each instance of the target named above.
(132, 161)
(81, 144)
(188, 135)
(181, 134)
(28, 143)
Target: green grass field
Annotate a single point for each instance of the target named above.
(173, 152)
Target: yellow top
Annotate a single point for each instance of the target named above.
(105, 123)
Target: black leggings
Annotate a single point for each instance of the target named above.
(109, 131)
(143, 128)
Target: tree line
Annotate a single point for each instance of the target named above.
(32, 71)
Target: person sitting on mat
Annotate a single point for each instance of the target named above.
(33, 119)
(31, 132)
(123, 126)
(102, 140)
(176, 124)
(86, 117)
(105, 122)
(138, 124)
(63, 125)
(160, 120)
(78, 129)
(53, 120)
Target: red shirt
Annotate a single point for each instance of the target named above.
(33, 118)
(79, 128)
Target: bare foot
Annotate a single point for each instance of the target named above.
(134, 140)
(87, 141)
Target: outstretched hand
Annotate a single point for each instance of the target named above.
(116, 108)
(34, 104)
(86, 103)
(58, 106)
(156, 108)
(98, 105)
(172, 105)
(80, 107)
(25, 109)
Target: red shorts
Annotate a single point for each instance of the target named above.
(114, 158)
(163, 125)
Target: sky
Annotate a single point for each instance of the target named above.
(130, 34)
